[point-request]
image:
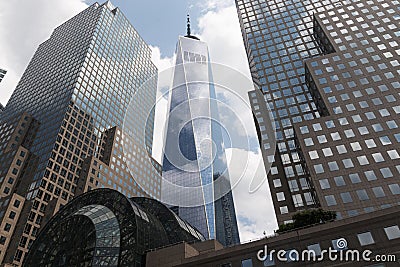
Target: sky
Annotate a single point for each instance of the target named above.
(26, 23)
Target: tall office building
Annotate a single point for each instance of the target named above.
(316, 101)
(61, 131)
(194, 156)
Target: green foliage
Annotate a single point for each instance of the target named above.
(307, 218)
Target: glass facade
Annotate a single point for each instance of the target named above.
(111, 230)
(278, 37)
(282, 39)
(194, 156)
(78, 86)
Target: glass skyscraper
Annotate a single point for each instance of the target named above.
(194, 156)
(61, 131)
(307, 100)
(278, 37)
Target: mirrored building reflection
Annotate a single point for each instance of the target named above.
(61, 131)
(327, 72)
(194, 157)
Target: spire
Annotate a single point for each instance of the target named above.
(188, 32)
(188, 25)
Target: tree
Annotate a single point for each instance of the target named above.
(307, 218)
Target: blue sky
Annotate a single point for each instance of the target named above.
(159, 22)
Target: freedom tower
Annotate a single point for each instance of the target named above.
(195, 171)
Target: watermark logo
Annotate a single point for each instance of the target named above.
(341, 243)
(342, 253)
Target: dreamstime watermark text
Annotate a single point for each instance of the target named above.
(342, 253)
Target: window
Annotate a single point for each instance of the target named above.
(365, 239)
(269, 261)
(277, 183)
(378, 191)
(333, 166)
(292, 255)
(324, 183)
(280, 196)
(341, 149)
(7, 227)
(362, 194)
(284, 209)
(330, 200)
(318, 168)
(17, 203)
(316, 248)
(395, 189)
(247, 263)
(354, 178)
(12, 215)
(339, 181)
(370, 175)
(386, 172)
(346, 197)
(392, 232)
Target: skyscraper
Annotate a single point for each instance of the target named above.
(194, 155)
(61, 131)
(315, 101)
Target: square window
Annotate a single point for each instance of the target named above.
(333, 166)
(370, 143)
(378, 191)
(284, 210)
(355, 146)
(341, 149)
(370, 175)
(395, 189)
(324, 183)
(347, 163)
(378, 157)
(392, 232)
(316, 248)
(335, 136)
(386, 172)
(354, 178)
(277, 183)
(339, 181)
(330, 200)
(346, 197)
(327, 152)
(313, 154)
(365, 239)
(362, 194)
(362, 160)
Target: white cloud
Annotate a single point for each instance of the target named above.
(159, 60)
(24, 25)
(221, 30)
(254, 210)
